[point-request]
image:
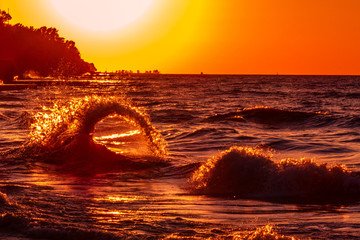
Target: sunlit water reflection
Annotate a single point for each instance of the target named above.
(196, 117)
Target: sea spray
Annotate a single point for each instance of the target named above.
(239, 170)
(251, 173)
(64, 131)
(267, 232)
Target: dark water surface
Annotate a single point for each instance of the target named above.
(182, 157)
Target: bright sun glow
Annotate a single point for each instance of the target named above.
(101, 15)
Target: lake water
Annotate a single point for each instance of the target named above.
(182, 157)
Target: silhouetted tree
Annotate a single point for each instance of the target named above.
(42, 50)
(4, 17)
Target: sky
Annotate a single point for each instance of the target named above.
(210, 36)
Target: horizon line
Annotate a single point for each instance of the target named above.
(262, 74)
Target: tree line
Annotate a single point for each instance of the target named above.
(40, 50)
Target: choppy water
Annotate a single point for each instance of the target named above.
(182, 157)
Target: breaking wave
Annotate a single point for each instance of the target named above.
(267, 232)
(251, 173)
(63, 133)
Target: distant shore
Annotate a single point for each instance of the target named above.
(113, 76)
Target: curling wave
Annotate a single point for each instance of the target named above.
(251, 173)
(64, 134)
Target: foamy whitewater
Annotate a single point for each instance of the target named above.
(181, 157)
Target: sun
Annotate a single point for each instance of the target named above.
(101, 15)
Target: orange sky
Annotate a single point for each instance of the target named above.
(212, 36)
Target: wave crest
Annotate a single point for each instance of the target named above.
(267, 115)
(4, 201)
(251, 173)
(268, 232)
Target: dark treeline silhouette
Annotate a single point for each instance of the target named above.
(40, 50)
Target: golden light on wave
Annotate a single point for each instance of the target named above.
(118, 135)
(266, 232)
(56, 125)
(105, 15)
(123, 199)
